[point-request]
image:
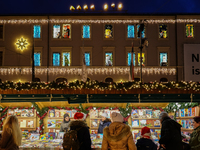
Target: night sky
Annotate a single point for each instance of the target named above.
(53, 7)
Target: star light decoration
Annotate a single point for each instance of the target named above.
(22, 44)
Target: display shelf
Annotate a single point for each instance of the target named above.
(189, 117)
(25, 117)
(149, 127)
(145, 118)
(95, 118)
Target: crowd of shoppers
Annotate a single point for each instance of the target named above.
(116, 134)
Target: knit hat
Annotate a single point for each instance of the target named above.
(117, 117)
(104, 115)
(146, 133)
(79, 115)
(197, 119)
(163, 115)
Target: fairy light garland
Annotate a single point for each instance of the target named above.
(90, 71)
(96, 21)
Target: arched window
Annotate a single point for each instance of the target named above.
(136, 79)
(163, 80)
(61, 80)
(37, 80)
(108, 80)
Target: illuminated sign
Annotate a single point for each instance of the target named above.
(22, 44)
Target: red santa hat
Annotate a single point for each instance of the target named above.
(146, 133)
(79, 115)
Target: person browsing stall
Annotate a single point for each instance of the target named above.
(65, 124)
(105, 122)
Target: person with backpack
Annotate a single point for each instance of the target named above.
(78, 137)
(64, 127)
(105, 122)
(145, 142)
(170, 133)
(118, 135)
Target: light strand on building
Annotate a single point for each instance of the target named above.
(90, 71)
(96, 21)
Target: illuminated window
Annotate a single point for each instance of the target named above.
(56, 31)
(109, 59)
(56, 59)
(37, 59)
(130, 31)
(86, 31)
(163, 59)
(37, 31)
(66, 59)
(1, 31)
(143, 59)
(87, 59)
(129, 59)
(66, 31)
(189, 30)
(1, 58)
(163, 31)
(108, 31)
(143, 32)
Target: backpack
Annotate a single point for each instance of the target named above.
(70, 140)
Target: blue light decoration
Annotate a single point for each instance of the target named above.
(56, 31)
(143, 32)
(163, 59)
(56, 59)
(36, 31)
(66, 59)
(129, 59)
(37, 59)
(131, 31)
(87, 59)
(86, 31)
(109, 59)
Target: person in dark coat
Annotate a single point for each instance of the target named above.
(195, 136)
(64, 127)
(186, 146)
(83, 133)
(105, 122)
(11, 135)
(145, 142)
(170, 133)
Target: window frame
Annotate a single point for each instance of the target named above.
(164, 50)
(129, 50)
(108, 50)
(167, 31)
(37, 39)
(104, 31)
(61, 25)
(2, 49)
(3, 32)
(137, 32)
(87, 50)
(37, 50)
(126, 30)
(185, 31)
(82, 32)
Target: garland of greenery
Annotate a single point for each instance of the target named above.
(100, 85)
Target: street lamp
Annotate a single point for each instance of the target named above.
(105, 7)
(78, 7)
(72, 8)
(92, 7)
(85, 7)
(113, 5)
(120, 6)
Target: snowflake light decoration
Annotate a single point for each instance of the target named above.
(22, 43)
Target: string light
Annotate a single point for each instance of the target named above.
(90, 71)
(116, 21)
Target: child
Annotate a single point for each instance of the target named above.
(145, 142)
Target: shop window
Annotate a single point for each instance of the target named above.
(109, 59)
(66, 31)
(189, 30)
(37, 79)
(108, 80)
(1, 31)
(87, 59)
(1, 58)
(58, 80)
(163, 80)
(108, 33)
(143, 59)
(56, 32)
(37, 31)
(143, 32)
(86, 32)
(66, 59)
(163, 59)
(37, 57)
(130, 31)
(163, 31)
(56, 59)
(129, 59)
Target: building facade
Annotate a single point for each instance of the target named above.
(59, 43)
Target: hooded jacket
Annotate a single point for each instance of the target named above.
(103, 124)
(195, 139)
(118, 137)
(83, 134)
(171, 134)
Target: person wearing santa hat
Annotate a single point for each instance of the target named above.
(145, 142)
(118, 135)
(82, 129)
(105, 122)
